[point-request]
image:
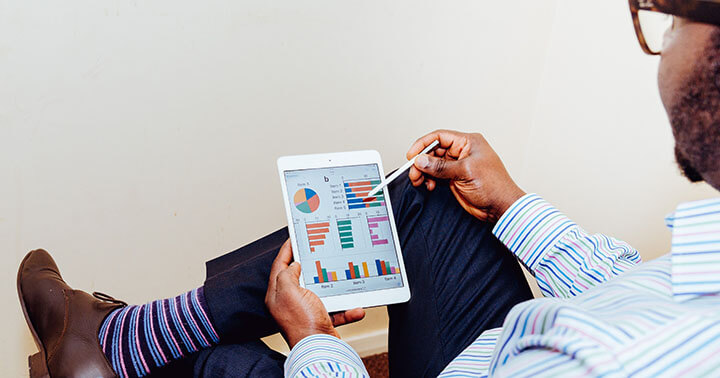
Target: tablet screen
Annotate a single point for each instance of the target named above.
(345, 241)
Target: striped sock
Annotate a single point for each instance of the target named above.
(137, 339)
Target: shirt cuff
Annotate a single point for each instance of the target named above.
(530, 227)
(323, 355)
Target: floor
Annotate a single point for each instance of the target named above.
(377, 365)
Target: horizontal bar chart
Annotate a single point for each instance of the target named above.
(373, 226)
(317, 232)
(345, 232)
(356, 194)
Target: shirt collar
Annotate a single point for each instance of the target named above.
(695, 249)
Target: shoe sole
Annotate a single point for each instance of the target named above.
(37, 363)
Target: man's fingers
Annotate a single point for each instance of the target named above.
(451, 145)
(285, 255)
(417, 182)
(294, 270)
(439, 167)
(283, 258)
(290, 276)
(348, 316)
(451, 142)
(414, 174)
(354, 315)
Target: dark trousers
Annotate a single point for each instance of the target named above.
(463, 281)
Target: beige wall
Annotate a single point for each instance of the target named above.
(138, 139)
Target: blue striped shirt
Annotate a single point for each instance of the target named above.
(603, 312)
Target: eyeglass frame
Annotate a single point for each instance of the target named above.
(705, 11)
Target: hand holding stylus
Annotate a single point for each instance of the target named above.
(402, 169)
(476, 175)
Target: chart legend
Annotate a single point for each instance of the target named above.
(356, 194)
(317, 234)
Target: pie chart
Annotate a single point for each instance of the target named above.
(306, 200)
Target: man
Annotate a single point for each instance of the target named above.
(605, 314)
(214, 330)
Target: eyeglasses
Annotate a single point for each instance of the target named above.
(653, 18)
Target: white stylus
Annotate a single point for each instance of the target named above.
(402, 169)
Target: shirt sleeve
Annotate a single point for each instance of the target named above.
(564, 258)
(324, 356)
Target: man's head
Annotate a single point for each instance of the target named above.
(689, 82)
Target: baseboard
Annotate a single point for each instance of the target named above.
(365, 344)
(369, 343)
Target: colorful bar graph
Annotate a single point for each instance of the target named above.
(353, 271)
(323, 275)
(384, 268)
(317, 232)
(345, 232)
(373, 224)
(356, 194)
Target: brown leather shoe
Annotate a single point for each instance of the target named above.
(63, 321)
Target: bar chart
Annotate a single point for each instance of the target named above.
(357, 271)
(354, 271)
(345, 232)
(323, 275)
(384, 268)
(376, 237)
(356, 194)
(344, 237)
(317, 234)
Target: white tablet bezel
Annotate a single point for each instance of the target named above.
(339, 159)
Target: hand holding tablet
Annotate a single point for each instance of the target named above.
(300, 315)
(344, 238)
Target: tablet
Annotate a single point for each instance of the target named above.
(346, 241)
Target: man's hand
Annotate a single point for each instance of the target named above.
(477, 176)
(298, 311)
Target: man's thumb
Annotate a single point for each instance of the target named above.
(438, 167)
(294, 269)
(290, 276)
